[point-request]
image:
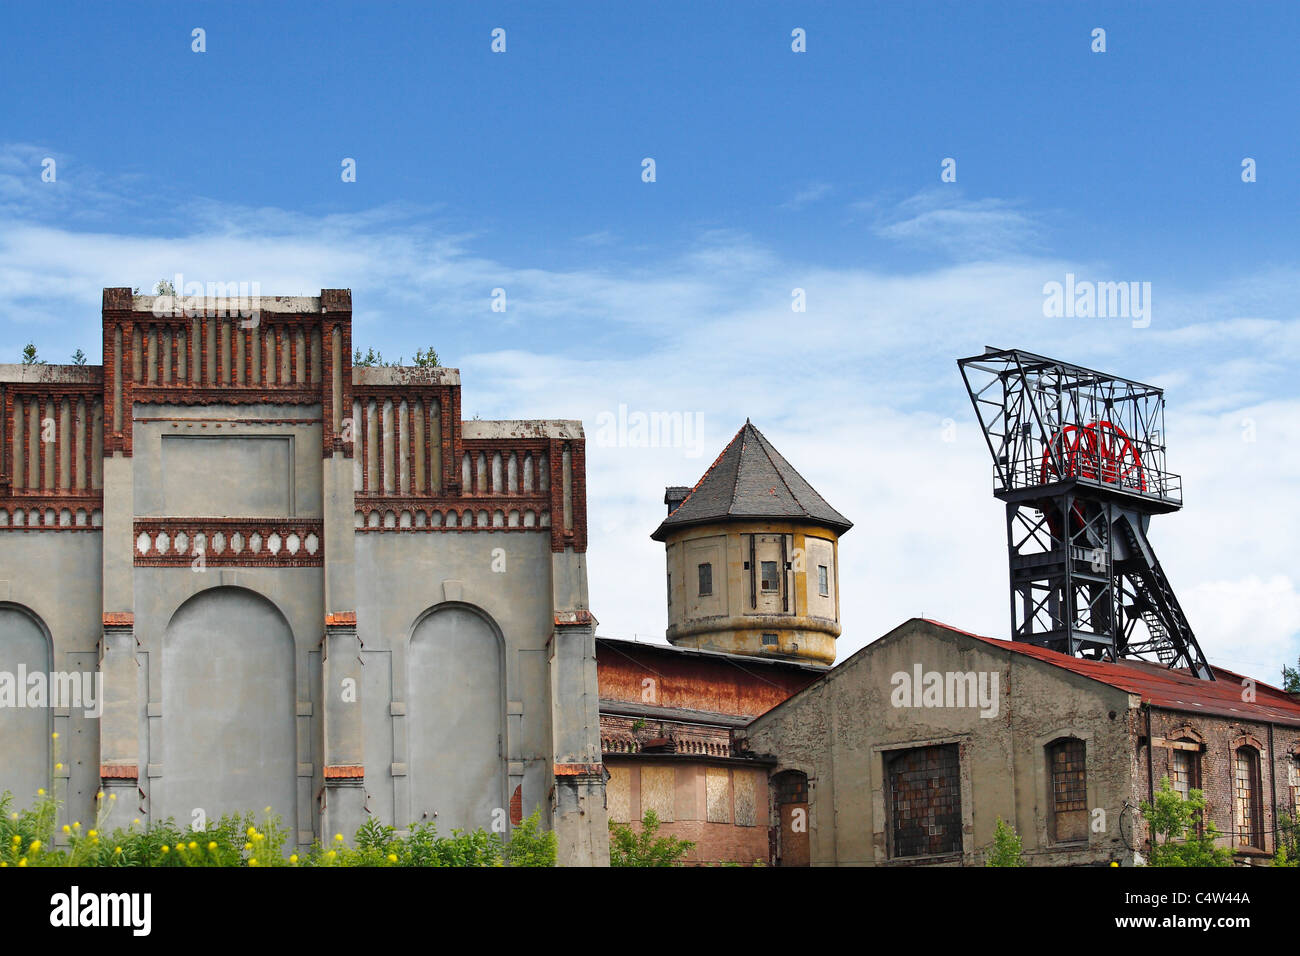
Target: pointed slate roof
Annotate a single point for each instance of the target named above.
(750, 480)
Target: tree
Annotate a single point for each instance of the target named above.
(29, 355)
(372, 358)
(1291, 678)
(1007, 849)
(163, 287)
(427, 359)
(78, 357)
(1175, 840)
(627, 848)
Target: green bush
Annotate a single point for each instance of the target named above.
(1007, 849)
(27, 839)
(1175, 840)
(627, 848)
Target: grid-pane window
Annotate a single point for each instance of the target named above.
(706, 579)
(823, 580)
(1067, 760)
(1184, 773)
(1295, 785)
(1249, 817)
(770, 581)
(925, 801)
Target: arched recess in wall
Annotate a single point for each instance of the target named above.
(25, 759)
(228, 704)
(455, 673)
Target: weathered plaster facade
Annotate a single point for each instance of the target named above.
(851, 734)
(305, 585)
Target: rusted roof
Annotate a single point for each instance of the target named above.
(1169, 689)
(749, 480)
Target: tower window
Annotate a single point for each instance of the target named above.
(770, 580)
(706, 579)
(670, 589)
(769, 639)
(823, 580)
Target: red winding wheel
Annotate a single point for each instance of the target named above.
(1100, 450)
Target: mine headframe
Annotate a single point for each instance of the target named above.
(1079, 460)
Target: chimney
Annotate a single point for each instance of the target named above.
(674, 495)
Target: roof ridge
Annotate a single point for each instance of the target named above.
(767, 450)
(708, 471)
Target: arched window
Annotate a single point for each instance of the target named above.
(1248, 813)
(1067, 766)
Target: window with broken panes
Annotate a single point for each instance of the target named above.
(771, 582)
(1250, 824)
(925, 801)
(1068, 761)
(1184, 772)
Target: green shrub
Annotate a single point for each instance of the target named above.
(627, 848)
(27, 839)
(1175, 840)
(1007, 849)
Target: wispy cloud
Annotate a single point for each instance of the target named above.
(854, 390)
(808, 194)
(965, 228)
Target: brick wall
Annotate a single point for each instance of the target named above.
(1218, 739)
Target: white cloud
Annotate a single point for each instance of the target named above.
(854, 391)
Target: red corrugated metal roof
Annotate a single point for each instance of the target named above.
(1170, 689)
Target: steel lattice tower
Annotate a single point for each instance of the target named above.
(1079, 459)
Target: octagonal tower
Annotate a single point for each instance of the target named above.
(753, 558)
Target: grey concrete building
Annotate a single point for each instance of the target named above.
(302, 584)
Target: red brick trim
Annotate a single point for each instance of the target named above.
(119, 619)
(119, 771)
(517, 806)
(579, 770)
(579, 618)
(345, 772)
(341, 619)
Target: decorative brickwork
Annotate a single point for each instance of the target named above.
(229, 542)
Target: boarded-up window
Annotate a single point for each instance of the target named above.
(1067, 760)
(745, 784)
(618, 793)
(1249, 816)
(657, 790)
(925, 801)
(717, 787)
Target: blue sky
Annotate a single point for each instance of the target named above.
(775, 170)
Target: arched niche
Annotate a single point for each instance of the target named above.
(25, 758)
(228, 705)
(456, 692)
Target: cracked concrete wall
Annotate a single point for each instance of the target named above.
(840, 730)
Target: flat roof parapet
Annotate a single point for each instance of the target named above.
(51, 374)
(528, 428)
(404, 375)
